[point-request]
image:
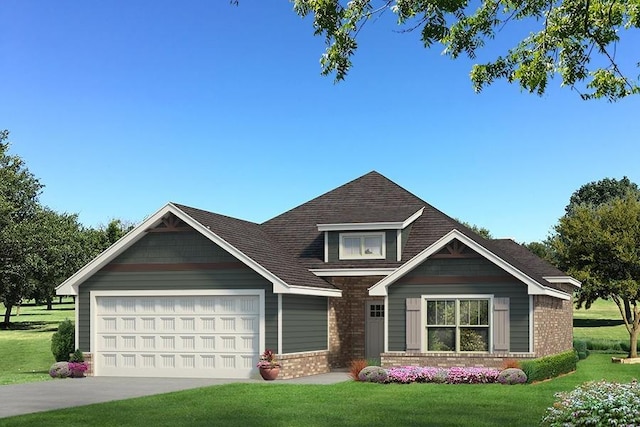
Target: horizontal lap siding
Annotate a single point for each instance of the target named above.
(471, 267)
(176, 248)
(304, 323)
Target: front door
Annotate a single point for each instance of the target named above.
(374, 330)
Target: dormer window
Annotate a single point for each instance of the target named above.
(362, 245)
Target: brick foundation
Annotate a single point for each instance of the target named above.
(448, 360)
(303, 364)
(88, 358)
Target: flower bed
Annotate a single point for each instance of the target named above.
(456, 375)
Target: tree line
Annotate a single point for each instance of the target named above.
(39, 248)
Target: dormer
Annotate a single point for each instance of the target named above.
(367, 233)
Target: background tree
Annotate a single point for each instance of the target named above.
(600, 246)
(575, 39)
(64, 246)
(597, 193)
(484, 232)
(19, 191)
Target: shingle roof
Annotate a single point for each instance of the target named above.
(257, 244)
(290, 244)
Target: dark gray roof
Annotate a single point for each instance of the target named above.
(253, 241)
(290, 244)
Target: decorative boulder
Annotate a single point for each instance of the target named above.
(512, 376)
(60, 370)
(373, 374)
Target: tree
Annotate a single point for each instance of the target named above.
(600, 245)
(63, 246)
(599, 192)
(576, 39)
(484, 232)
(19, 191)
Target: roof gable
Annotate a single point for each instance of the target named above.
(246, 241)
(534, 287)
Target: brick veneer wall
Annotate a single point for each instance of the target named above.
(88, 357)
(448, 360)
(303, 364)
(553, 325)
(347, 317)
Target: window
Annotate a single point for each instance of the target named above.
(458, 324)
(362, 246)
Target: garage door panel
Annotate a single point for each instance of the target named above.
(209, 336)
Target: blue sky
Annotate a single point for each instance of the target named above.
(119, 107)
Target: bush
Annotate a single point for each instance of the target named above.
(355, 367)
(373, 374)
(411, 374)
(510, 363)
(63, 341)
(596, 404)
(550, 366)
(512, 376)
(580, 347)
(76, 356)
(60, 370)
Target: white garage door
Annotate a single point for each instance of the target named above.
(213, 336)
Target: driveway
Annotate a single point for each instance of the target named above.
(20, 399)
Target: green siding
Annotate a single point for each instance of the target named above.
(217, 279)
(391, 241)
(181, 247)
(304, 323)
(515, 291)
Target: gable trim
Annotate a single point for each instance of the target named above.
(328, 272)
(533, 286)
(70, 286)
(563, 280)
(362, 226)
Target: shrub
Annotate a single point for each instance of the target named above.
(63, 341)
(510, 363)
(581, 348)
(550, 366)
(60, 370)
(78, 369)
(512, 376)
(410, 374)
(355, 367)
(373, 374)
(76, 356)
(596, 404)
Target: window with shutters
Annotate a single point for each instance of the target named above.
(457, 324)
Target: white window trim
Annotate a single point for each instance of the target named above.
(362, 236)
(457, 298)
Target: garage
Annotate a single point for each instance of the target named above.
(187, 333)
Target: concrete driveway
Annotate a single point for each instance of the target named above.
(27, 398)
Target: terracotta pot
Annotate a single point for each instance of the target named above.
(270, 374)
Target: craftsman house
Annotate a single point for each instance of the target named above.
(367, 270)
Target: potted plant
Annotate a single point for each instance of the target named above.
(268, 365)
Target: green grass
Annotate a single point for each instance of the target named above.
(25, 348)
(344, 404)
(601, 322)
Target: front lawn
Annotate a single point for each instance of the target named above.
(25, 348)
(344, 404)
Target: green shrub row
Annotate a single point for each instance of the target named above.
(550, 366)
(609, 346)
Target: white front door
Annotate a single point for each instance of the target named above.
(200, 335)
